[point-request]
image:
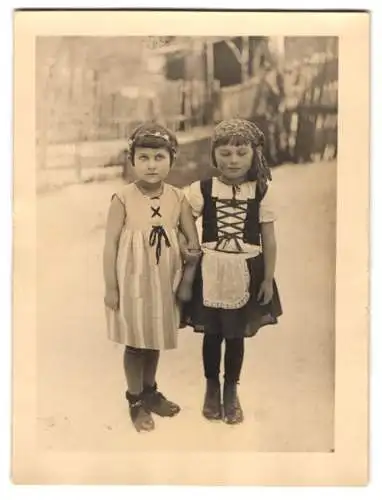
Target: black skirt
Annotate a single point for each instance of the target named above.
(232, 323)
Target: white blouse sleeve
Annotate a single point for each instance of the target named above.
(267, 207)
(195, 198)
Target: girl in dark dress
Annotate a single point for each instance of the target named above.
(234, 292)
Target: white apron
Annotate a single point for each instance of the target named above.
(225, 279)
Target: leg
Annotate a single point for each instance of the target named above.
(211, 362)
(133, 363)
(150, 366)
(133, 367)
(212, 355)
(184, 292)
(233, 362)
(155, 401)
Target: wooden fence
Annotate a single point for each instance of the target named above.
(300, 124)
(235, 100)
(317, 124)
(302, 129)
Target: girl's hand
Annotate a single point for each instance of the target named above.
(112, 299)
(182, 244)
(265, 293)
(192, 253)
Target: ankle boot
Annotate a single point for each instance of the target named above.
(140, 417)
(233, 412)
(212, 400)
(155, 402)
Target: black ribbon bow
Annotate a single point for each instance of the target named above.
(223, 241)
(157, 235)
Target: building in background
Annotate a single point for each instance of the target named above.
(94, 90)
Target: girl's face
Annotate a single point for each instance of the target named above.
(234, 161)
(151, 165)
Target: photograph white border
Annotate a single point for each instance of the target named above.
(348, 465)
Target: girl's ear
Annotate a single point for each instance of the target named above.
(213, 157)
(130, 151)
(258, 150)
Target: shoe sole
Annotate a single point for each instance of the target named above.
(213, 419)
(144, 431)
(166, 416)
(228, 422)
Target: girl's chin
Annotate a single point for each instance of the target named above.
(151, 180)
(234, 175)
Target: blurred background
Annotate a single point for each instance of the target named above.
(92, 91)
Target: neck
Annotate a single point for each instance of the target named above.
(148, 187)
(231, 182)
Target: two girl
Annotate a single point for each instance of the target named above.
(233, 293)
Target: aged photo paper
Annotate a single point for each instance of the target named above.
(82, 81)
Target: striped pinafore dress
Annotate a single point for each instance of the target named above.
(149, 270)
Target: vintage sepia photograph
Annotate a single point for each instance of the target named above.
(186, 231)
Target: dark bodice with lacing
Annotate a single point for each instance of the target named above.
(223, 224)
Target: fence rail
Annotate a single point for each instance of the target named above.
(235, 99)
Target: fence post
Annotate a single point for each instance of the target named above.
(210, 80)
(245, 59)
(77, 154)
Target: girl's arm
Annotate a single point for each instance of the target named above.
(269, 251)
(190, 249)
(188, 226)
(114, 225)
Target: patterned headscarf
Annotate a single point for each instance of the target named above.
(228, 130)
(153, 130)
(239, 128)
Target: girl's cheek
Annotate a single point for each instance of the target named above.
(222, 160)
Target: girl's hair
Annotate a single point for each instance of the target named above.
(259, 170)
(153, 135)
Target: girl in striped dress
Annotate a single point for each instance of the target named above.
(143, 268)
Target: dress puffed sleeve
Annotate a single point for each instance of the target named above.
(195, 198)
(267, 206)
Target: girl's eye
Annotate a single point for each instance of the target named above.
(225, 153)
(143, 157)
(159, 157)
(242, 152)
